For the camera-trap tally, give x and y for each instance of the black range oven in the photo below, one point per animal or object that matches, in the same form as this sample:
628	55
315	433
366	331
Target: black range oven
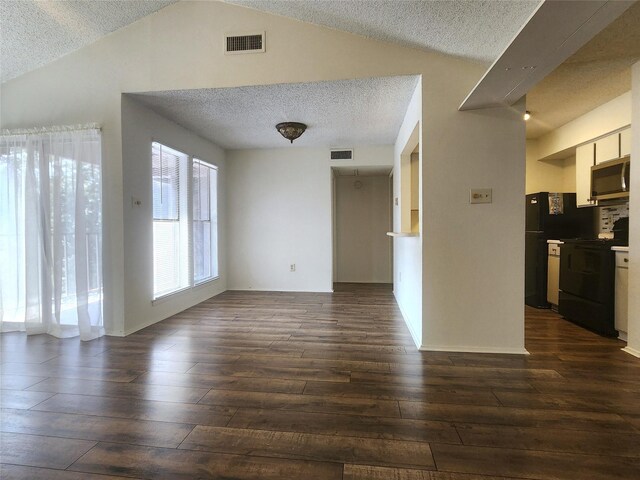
587	284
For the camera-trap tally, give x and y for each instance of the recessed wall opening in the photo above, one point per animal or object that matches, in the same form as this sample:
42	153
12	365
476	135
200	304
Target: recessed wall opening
362	216
409	200
415	190
276	197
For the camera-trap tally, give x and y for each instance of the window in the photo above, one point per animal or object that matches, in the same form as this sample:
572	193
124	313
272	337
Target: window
185	221
170	220
205	221
51	232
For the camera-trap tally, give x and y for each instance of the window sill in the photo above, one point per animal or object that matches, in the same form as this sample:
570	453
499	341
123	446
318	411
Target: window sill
206	281
168	296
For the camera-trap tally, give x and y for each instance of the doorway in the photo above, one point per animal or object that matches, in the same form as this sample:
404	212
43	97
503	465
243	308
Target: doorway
362	249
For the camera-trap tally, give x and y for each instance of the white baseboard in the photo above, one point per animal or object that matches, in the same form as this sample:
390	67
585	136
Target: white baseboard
466	349
405	317
632	351
234	289
114	333
148	323
144	325
440	348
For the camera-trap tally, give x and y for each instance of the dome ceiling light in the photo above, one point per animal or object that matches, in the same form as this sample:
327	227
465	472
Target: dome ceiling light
291	130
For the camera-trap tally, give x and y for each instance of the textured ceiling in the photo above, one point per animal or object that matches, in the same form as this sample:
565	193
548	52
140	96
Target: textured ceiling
472	29
33	34
595	74
338	114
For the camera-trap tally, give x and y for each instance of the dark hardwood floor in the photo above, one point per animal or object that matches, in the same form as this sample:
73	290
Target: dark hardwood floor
253	385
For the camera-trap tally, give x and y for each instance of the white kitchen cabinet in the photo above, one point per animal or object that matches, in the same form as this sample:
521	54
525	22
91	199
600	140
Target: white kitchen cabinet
553	275
625	142
584	161
622	296
608	148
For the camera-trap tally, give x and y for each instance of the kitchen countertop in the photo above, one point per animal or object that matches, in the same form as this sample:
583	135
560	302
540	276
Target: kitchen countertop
556	242
620	249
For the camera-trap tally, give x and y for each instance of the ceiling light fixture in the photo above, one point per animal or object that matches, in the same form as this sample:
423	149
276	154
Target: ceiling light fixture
291	130
527	115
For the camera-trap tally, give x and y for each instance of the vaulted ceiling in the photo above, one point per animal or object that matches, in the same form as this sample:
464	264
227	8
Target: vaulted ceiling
36	33
472	29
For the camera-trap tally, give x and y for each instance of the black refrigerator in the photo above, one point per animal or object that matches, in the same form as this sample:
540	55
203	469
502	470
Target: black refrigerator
549	216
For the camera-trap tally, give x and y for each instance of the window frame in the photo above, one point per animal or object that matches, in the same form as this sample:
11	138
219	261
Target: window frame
211	216
186	215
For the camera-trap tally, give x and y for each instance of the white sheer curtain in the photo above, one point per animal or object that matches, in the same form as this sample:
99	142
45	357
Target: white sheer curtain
51	232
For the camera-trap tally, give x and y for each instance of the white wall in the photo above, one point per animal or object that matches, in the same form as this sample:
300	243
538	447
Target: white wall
362	223
543	175
473	255
633	337
141	126
407	251
459	149
569	174
280	214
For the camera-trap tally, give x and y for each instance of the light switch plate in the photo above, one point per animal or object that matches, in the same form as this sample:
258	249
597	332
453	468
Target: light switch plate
480	195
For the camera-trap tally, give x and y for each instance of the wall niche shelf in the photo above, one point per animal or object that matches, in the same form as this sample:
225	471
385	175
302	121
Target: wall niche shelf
403	234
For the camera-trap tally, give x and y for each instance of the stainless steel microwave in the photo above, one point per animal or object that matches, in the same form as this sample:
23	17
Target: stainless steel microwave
610	179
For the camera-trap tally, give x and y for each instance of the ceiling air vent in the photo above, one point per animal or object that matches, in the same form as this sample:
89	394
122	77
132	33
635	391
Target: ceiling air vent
342	154
244	43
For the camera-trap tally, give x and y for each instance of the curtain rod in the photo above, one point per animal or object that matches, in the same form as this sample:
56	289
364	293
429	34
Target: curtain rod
51	129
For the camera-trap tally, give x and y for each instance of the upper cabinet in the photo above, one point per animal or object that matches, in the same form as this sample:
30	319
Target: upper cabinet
585	159
608	148
625	142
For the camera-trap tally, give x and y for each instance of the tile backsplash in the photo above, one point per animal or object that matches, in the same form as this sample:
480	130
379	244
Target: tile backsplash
608	215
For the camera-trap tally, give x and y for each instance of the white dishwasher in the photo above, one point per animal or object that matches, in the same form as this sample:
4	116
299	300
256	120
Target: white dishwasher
553	275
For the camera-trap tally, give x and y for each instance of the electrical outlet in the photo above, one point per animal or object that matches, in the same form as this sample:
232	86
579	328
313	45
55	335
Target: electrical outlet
293	267
480	195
